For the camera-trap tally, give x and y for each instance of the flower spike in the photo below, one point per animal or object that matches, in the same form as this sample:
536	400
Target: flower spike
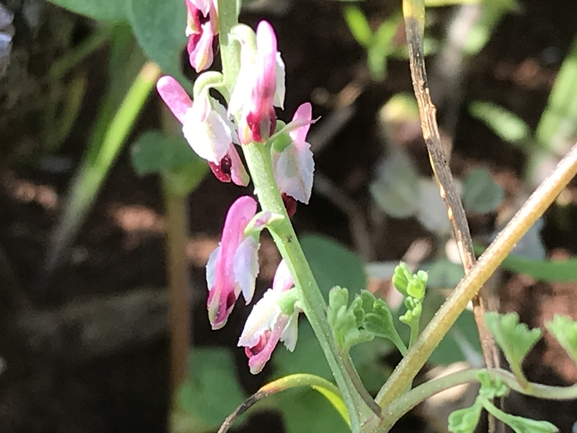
233	265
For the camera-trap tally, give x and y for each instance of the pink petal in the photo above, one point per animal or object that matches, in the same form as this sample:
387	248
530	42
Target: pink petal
224	290
246	266
283	279
303	115
200	54
174	96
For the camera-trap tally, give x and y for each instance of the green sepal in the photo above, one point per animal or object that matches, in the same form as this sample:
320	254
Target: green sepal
288	301
401	278
515	339
409	284
281	141
564	329
414	310
344	321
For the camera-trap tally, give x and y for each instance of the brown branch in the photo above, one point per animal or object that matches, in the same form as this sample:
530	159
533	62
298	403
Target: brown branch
439	163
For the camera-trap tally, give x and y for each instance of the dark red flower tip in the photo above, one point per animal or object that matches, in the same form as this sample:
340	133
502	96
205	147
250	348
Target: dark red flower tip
290	204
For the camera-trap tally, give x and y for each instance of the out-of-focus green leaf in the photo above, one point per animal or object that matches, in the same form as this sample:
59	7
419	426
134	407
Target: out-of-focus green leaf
461	343
102	10
515	339
396	188
154	151
333	265
542	270
558	123
441	3
480	193
305	410
181	169
159	28
381	46
432	210
506	124
564	329
299	361
212	390
443	274
358	25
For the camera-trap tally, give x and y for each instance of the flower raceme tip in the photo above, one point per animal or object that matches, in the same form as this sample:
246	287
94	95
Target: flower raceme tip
259	87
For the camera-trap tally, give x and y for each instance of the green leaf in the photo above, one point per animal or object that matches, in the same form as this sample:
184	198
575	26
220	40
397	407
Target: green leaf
154	152
480	193
102	10
305	410
564	329
212	390
443	274
380	46
181	169
396	188
159	28
515	339
333	265
491	387
299	361
526	425
465	420
519	424
358	25
507	125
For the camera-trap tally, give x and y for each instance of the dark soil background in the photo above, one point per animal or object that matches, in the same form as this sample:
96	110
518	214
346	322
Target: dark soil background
60	378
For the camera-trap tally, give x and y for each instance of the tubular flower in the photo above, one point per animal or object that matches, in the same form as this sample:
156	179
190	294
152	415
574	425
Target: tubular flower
267	324
207	129
294	166
201	28
233	265
259	87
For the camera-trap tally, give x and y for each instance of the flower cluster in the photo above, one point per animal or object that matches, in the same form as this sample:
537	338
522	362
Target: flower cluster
216	132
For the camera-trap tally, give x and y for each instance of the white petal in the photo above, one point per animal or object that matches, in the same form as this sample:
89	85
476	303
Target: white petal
263	316
211	266
280	82
245	266
294	171
290	332
208	134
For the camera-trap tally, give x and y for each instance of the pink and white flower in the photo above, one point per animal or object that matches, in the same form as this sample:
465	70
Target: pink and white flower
233	266
294	166
207	129
201	29
259	87
267	324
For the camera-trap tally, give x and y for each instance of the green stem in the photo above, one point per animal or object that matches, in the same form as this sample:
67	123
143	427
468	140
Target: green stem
533	208
312	301
422	392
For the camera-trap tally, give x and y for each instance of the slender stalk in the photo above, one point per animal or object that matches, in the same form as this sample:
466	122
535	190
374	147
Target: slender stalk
533	208
178	285
422	392
414	13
